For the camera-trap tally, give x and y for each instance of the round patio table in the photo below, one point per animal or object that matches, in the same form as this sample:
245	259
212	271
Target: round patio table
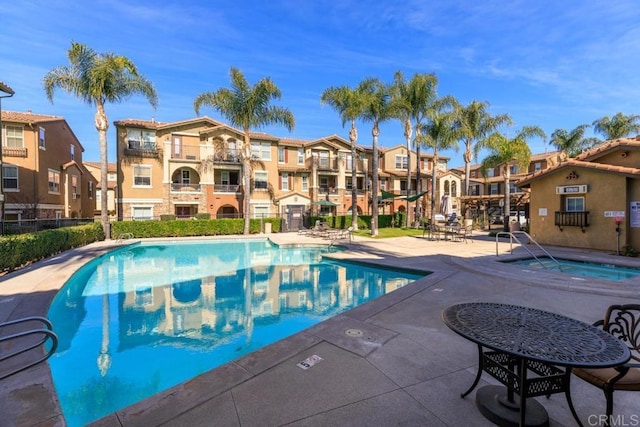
531	352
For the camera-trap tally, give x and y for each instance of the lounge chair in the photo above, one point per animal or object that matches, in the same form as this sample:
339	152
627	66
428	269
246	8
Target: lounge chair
622	321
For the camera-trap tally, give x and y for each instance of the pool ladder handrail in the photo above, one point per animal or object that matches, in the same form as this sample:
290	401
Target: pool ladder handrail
513	236
47	334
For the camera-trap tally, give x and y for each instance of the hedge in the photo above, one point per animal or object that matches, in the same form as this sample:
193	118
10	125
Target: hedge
19	250
185	228
364	221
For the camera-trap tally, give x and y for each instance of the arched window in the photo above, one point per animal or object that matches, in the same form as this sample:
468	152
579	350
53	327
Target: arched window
446	187
454	189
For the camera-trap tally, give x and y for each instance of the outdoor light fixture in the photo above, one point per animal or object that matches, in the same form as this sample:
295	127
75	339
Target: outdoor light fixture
7	92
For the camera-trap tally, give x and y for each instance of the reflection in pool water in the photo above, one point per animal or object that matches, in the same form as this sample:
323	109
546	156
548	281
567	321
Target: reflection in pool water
144	318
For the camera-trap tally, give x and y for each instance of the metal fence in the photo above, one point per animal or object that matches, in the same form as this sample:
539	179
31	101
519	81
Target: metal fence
34	225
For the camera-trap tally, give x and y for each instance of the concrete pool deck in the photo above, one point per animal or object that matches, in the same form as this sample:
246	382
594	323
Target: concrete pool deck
406	368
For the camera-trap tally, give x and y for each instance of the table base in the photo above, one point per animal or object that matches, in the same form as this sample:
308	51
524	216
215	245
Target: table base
492	402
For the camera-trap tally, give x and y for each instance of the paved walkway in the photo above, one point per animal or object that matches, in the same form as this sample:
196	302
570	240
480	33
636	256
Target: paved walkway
407	368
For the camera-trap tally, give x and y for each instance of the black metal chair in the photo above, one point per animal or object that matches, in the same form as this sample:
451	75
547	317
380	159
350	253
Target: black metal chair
622	321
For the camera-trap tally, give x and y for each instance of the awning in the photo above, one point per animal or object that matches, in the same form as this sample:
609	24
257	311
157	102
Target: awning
415	197
387	195
324	203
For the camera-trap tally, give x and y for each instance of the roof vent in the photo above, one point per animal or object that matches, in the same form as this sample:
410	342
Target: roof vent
624	154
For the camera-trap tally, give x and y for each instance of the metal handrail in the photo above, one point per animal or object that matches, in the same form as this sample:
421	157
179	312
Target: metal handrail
46	332
512	236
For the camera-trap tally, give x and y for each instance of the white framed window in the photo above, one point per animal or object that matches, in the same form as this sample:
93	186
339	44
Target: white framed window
54	181
41	138
14	137
300	156
142	175
383	184
284	181
98	198
454	188
323	159
141	213
305	182
111	176
401	161
140	139
537	166
260	211
349	162
494	188
281	155
224	177
348	183
10	178
490	173
260	180
442	165
90	189
574	204
513	169
74	186
513	188
261	150
73	152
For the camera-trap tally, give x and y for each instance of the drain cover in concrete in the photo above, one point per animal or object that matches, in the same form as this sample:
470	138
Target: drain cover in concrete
354	333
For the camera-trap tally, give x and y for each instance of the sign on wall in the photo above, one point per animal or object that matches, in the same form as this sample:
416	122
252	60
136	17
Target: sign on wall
634	217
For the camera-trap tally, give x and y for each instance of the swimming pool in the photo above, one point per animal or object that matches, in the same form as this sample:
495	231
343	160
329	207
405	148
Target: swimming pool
580	268
144	318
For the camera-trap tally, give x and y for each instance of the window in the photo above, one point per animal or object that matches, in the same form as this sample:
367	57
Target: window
383	184
9	177
574	204
139	139
141	213
513	169
186	176
494	188
41	133
14	137
513	188
281	155
447	188
349	183
74	186
261	150
73	152
260	180
260	211
142	176
90	190
454	189
489	173
349	162
323	161
305	182
537	166
401	161
224	178
54	181
284	181
111	176
300	156
442	165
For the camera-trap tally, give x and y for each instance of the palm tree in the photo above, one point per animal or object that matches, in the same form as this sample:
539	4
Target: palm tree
572	143
502	152
98	79
618	126
349	104
476	123
440	133
377	109
402	111
247	107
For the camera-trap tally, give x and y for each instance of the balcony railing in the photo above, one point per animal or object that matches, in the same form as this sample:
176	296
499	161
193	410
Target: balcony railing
327	190
14	151
185	188
572	219
226	188
231	156
141	149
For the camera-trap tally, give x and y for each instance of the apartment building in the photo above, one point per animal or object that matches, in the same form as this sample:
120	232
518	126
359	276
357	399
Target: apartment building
94	169
486	194
192	166
42	171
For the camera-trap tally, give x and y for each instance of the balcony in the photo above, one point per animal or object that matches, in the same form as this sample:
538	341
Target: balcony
572	219
323	189
226	188
231	156
186	152
141	149
14	152
185	188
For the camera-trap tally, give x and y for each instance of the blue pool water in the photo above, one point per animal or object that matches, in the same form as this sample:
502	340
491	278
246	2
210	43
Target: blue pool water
144	318
578	268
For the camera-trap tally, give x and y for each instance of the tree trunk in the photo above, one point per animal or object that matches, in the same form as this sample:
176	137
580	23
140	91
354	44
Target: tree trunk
467	167
407	135
434	178
507	198
101	123
353	137
246	177
374	184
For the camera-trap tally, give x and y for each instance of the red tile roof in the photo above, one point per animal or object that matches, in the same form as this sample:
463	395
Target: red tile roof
28	117
573	163
609	146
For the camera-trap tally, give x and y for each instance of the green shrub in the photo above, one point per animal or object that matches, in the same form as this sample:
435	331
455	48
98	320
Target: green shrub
167	217
19	250
203	215
629	250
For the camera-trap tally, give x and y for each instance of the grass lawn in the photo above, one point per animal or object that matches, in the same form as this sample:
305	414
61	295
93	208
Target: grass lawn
384	233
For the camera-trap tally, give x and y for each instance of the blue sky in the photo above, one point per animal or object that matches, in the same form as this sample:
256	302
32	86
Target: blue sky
555	64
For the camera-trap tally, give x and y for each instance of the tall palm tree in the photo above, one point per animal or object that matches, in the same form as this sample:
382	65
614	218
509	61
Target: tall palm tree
503	152
618	126
572	143
247	107
401	109
349	104
476	123
98	79
440	133
377	109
